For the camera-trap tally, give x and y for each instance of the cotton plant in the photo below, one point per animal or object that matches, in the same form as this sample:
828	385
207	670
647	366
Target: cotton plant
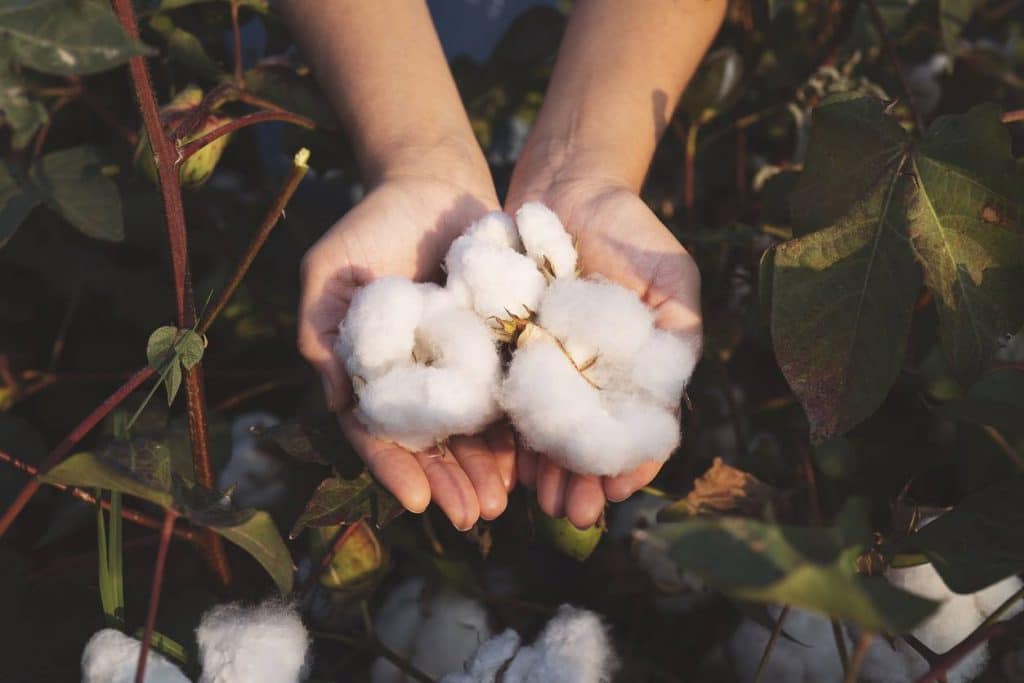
266	643
436	633
591	381
254	474
574	647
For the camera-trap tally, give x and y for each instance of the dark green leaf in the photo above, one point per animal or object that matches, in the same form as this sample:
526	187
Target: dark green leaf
260	538
190	348
315	438
996	399
185	48
71	183
803	567
90	471
146	460
978	542
21	111
168	349
65	37
340	501
967	226
16	202
207	507
953	16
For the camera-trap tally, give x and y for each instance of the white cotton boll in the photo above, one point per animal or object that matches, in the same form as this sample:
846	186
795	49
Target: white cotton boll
262	644
488	660
990	599
379	329
496	227
814	659
456	339
395	624
545	239
599	318
663	365
112	657
573	648
957	615
493	280
452	632
255	474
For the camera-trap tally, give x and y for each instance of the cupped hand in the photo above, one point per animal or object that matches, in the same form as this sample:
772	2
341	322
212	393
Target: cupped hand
402	227
619	238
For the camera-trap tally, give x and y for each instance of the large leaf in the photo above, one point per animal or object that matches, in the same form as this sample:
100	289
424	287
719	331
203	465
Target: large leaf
341	501
16	202
186	48
996	399
967	225
314	438
798	566
21	111
872	211
65	37
72	183
953	16
979	541
88	470
259	537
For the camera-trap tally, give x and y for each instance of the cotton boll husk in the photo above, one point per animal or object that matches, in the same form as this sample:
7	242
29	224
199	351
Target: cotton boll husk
574	647
814	661
663	365
545	239
379	329
253	471
493	280
112	657
262	644
596	319
452	632
498	228
488	660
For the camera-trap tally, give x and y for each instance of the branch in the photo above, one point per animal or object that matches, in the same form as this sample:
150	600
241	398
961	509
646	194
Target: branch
770	645
154	592
894	61
128	513
194	146
270	220
945	662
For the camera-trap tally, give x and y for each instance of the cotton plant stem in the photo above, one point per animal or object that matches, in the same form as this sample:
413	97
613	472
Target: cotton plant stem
840	638
945	662
770	645
154	592
194	146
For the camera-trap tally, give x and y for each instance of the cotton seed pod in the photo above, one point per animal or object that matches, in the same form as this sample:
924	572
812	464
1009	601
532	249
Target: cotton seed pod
197	169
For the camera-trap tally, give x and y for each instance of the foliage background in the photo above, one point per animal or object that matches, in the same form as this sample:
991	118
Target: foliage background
900	399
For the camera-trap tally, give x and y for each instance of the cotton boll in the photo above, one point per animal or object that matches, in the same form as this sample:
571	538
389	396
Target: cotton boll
447	639
489	659
814	659
498	228
990	599
456	339
112	657
545	239
663	365
957	615
395	625
597	318
379	329
573	648
262	644
493	280
255	474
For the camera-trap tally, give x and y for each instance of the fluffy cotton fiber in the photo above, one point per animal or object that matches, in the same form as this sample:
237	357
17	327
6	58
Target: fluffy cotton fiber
545	239
112	657
574	647
437	634
255	474
492	279
262	644
423	367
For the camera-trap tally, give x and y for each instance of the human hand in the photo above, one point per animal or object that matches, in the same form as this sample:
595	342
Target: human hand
404	227
619	238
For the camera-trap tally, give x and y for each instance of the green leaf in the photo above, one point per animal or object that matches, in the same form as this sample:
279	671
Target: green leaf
16	202
88	470
168	349
359	557
314	438
65	37
259	537
997	399
261	6
145	459
799	566
185	48
207	507
22	112
341	501
190	348
953	16
579	544
967	227
978	542
71	183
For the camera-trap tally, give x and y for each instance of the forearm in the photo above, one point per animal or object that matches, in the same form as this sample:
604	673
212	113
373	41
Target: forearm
619	75
382	67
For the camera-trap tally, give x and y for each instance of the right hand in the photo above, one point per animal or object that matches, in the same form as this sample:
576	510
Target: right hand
403	227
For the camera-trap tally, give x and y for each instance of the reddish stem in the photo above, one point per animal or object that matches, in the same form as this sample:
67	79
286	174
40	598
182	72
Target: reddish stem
69	441
894	60
325	560
947	661
194	146
154	592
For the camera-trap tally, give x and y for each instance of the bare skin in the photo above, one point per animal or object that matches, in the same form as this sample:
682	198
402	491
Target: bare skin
619	75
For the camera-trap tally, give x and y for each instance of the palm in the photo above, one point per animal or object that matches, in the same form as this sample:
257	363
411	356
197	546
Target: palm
619	238
401	228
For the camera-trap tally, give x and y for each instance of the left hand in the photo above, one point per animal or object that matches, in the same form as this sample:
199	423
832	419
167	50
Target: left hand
620	238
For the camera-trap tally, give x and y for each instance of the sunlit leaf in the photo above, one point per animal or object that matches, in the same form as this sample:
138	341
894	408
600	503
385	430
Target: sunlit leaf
260	538
359	556
88	470
341	501
23	112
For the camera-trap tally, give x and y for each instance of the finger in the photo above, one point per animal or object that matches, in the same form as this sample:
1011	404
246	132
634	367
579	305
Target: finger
478	462
623	486
394	467
450	488
322	305
526	466
502	442
551	483
674	294
584	500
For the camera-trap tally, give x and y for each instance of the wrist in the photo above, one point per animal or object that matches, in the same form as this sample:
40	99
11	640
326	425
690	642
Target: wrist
444	157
